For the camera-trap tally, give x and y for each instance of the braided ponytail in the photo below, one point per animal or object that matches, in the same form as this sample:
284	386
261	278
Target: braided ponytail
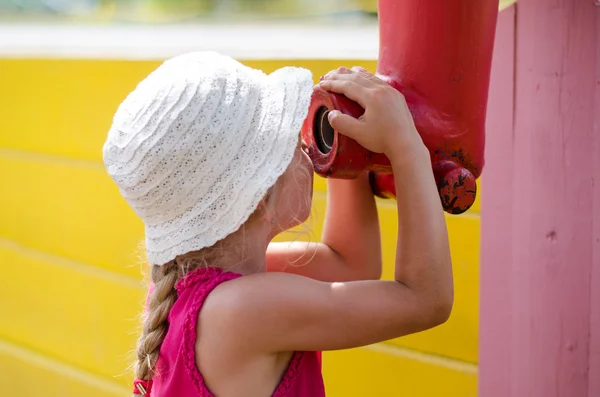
162	299
155	323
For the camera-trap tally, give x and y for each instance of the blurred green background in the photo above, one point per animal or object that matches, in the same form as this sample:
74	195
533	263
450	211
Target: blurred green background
151	11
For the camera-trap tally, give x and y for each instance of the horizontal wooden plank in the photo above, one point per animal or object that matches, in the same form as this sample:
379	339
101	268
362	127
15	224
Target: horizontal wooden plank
28	373
80	315
90	322
84	97
374	371
81	217
46	111
457	338
70	210
76	220
71	127
370	371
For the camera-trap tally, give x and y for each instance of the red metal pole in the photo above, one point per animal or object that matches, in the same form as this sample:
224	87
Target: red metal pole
439	55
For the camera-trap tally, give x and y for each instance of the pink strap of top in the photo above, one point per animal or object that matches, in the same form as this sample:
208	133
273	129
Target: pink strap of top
176	373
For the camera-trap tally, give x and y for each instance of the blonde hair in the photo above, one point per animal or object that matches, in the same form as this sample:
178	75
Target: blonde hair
155	325
165	278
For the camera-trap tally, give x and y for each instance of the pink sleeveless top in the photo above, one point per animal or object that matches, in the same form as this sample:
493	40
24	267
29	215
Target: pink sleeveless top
176	371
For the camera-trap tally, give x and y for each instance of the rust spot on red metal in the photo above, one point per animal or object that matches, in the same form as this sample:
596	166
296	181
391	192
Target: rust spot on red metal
457	189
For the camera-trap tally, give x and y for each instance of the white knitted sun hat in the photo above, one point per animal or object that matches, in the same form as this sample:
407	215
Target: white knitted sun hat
198	143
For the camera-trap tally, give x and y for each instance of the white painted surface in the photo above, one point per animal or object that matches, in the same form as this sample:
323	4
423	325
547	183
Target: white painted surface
156	42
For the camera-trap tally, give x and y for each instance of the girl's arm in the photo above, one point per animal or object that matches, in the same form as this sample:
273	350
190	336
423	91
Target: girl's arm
350	248
285	312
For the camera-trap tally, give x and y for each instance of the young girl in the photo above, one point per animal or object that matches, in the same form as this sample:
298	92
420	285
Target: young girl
208	153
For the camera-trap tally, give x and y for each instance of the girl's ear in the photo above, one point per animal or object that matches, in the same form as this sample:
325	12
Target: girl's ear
262	209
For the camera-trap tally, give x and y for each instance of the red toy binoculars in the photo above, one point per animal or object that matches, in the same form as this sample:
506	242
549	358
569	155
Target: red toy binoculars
438	54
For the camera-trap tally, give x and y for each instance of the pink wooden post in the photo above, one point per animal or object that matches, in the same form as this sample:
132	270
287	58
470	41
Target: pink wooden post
540	267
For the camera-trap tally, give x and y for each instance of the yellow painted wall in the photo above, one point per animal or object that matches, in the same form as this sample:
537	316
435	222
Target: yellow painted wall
70	289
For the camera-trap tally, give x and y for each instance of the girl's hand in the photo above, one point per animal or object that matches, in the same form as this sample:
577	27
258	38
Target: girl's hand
386	126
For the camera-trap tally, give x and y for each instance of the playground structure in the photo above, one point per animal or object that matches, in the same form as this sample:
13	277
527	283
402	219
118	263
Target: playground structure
444	76
72	295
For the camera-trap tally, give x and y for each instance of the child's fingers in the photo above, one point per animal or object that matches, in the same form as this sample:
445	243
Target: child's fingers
351	89
359	69
340	70
359	78
363	78
343	70
344	124
369	76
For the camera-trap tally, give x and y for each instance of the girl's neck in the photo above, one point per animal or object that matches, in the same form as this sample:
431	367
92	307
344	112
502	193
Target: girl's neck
245	251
